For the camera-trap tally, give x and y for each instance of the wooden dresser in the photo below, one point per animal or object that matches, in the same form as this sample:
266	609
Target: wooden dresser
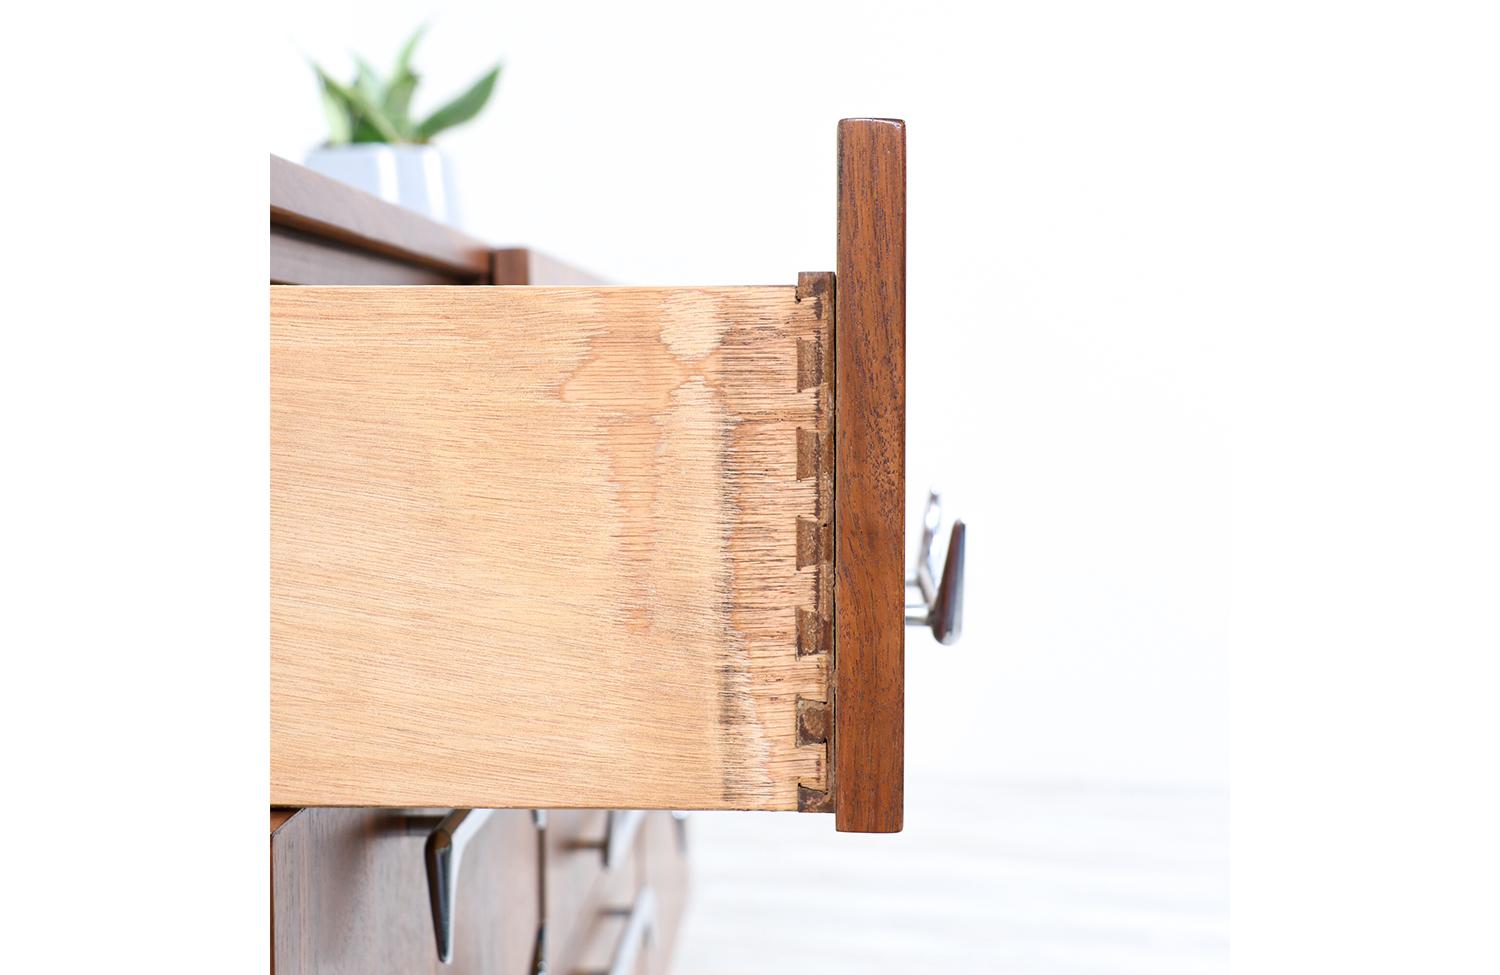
555	562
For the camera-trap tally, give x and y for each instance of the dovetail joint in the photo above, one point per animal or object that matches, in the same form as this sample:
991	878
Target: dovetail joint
814	800
814	632
814	542
814	624
814	725
809	453
814	285
809	364
812	722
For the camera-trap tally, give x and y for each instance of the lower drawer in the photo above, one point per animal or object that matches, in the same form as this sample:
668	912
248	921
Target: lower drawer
593	891
349	894
628	913
592	860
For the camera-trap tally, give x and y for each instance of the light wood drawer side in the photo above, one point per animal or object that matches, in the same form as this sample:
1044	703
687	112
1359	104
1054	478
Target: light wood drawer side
549	547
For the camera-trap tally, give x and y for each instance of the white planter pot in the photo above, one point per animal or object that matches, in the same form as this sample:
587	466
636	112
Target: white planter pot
416	177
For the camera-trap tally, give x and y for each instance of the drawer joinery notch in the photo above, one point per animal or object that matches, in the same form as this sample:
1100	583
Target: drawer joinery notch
814	624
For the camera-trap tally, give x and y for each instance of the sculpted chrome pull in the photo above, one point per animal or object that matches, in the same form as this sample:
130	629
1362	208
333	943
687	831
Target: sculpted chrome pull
640	929
941	605
444	853
619	835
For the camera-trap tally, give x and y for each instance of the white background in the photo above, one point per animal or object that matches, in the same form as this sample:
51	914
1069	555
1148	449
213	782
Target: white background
1202	306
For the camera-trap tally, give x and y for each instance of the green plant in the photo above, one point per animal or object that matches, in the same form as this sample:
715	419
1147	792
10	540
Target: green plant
376	109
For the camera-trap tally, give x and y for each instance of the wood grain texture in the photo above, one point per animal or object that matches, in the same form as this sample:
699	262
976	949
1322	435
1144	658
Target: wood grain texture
537	547
349	896
317	205
870	475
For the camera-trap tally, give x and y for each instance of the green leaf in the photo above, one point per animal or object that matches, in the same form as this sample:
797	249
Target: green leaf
461	109
397	104
376	119
336	108
403	60
365	132
370	124
397	101
367	81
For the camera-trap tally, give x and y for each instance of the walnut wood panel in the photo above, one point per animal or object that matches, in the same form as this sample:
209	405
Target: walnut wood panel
870	474
322	207
349	896
538	547
298	258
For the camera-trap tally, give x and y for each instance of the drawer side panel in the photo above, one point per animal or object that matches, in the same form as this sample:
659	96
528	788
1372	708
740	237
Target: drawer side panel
538	547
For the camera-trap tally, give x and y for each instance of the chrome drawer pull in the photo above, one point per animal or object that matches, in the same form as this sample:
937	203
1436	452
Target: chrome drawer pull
942	602
539	953
639	931
619	834
445	850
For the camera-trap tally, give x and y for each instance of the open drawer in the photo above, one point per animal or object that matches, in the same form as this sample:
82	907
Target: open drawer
598	547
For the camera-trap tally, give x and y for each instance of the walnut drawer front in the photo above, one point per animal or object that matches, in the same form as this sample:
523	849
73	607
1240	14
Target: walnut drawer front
573	884
349	895
622	915
593	863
